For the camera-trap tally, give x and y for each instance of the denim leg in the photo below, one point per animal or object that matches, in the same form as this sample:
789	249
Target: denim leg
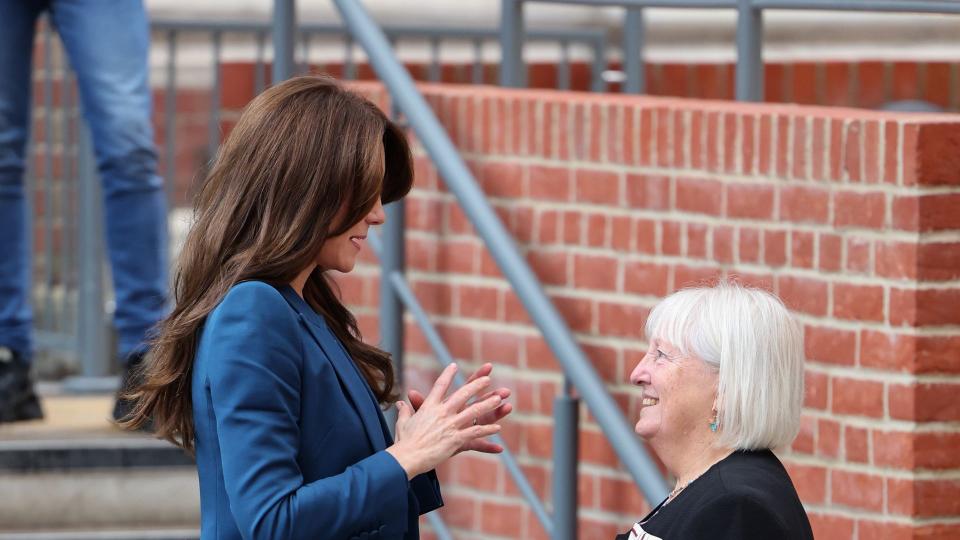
17	25
108	45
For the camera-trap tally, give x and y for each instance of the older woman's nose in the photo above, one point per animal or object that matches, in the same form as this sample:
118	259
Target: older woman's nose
640	373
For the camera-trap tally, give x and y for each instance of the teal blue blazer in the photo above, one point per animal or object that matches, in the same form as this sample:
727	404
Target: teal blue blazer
290	440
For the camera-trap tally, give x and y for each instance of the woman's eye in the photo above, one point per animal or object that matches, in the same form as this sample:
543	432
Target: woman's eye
661	354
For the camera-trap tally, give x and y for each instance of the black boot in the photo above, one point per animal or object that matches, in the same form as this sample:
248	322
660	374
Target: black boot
130	379
18	400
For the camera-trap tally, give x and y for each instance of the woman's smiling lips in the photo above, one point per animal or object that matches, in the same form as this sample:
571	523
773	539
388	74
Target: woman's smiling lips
356	240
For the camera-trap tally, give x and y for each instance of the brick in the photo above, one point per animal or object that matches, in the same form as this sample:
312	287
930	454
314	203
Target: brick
937	154
928	212
458	257
858	255
748	241
937	354
830	345
478	302
499	518
460	511
699	196
831	526
801	141
600	187
937	306
893	449
547	227
804	442
857	397
891	162
572	227
856	446
802	249
804	294
775	248
937	498
815	390
549	183
502	179
549	266
852	162
765	136
645	231
500	348
831	252
937	261
883	530
749	201
783	145
696	240
596	230
898	260
646	278
672	238
828	438
435	298
924	402
856	209
423	214
621	319
871	152
648	191
810	482
723	244
595	272
856	490
858	302
686	276
804	204
578	312
884	350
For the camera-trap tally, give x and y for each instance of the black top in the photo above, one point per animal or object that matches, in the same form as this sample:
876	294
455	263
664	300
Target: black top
746	495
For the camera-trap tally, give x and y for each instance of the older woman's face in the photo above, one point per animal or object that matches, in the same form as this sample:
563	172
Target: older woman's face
678	393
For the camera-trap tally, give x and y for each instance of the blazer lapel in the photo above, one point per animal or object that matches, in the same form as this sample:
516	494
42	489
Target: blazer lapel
358	391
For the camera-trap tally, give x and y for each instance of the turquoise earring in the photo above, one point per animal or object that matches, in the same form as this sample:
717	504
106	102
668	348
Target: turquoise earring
714	423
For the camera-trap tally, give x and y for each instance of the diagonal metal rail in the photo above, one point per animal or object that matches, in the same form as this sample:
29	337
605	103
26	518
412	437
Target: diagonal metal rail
462	184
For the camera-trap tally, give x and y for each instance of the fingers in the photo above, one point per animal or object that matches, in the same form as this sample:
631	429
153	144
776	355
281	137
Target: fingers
460	398
485	447
482	371
478	409
441	385
403	411
416	399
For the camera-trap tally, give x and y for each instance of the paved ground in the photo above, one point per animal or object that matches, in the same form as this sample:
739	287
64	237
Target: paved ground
69	417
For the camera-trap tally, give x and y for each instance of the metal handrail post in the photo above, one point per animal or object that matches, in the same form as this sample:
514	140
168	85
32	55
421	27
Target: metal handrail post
566	430
462	184
512	72
91	325
284	26
749	75
392	259
634	31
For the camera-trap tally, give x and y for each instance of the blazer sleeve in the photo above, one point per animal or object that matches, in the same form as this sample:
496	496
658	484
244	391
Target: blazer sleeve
426	487
733	517
254	382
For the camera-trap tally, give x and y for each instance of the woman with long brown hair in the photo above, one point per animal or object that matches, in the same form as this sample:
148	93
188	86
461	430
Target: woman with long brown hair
260	370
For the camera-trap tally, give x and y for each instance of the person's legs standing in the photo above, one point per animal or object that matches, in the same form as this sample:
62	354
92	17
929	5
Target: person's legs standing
17	27
108	46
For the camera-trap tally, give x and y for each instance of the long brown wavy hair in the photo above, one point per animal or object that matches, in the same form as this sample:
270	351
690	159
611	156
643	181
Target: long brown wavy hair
300	152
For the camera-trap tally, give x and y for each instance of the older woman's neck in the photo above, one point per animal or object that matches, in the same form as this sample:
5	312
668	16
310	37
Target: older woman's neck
690	458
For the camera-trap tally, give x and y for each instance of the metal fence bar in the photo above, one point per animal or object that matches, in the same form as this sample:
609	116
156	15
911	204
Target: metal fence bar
405	294
47	316
284	25
91	327
566	421
477	70
634	29
392	260
439	527
598	65
170	122
749	74
511	44
902	6
305	52
563	67
433	74
474	203
213	129
349	65
260	66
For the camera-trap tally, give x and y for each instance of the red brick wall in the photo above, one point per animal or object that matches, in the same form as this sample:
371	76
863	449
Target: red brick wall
853	217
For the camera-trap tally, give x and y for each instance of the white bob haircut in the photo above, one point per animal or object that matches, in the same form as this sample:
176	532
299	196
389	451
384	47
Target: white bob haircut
750	337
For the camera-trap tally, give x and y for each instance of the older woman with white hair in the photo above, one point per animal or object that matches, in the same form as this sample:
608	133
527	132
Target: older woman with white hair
722	386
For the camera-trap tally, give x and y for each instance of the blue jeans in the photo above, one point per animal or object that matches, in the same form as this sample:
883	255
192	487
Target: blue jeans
107	44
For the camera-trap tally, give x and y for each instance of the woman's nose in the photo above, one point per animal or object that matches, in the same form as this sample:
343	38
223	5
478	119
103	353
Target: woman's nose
377	216
640	373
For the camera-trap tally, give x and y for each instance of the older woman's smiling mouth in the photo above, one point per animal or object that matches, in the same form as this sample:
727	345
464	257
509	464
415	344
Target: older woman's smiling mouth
648	401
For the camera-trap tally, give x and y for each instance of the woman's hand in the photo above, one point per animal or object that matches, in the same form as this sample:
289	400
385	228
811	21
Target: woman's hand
441	427
478	445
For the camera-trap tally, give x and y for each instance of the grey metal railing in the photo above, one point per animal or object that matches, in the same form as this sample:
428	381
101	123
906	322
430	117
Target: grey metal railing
579	372
749	35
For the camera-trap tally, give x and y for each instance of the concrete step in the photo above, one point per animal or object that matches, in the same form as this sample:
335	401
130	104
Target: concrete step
121	534
75	473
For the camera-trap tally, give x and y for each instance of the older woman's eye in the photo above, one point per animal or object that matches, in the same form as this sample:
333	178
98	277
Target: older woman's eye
661	354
